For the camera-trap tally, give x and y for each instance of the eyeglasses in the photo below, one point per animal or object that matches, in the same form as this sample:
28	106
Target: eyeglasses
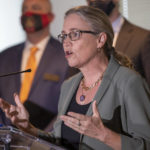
73	35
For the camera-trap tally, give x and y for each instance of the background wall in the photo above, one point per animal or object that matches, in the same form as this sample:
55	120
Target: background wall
137	11
59	8
10	30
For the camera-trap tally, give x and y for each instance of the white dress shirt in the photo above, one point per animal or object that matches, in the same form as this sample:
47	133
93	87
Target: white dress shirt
26	52
116	25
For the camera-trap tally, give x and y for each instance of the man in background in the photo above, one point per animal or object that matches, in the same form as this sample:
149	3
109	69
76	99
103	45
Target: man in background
128	38
40	89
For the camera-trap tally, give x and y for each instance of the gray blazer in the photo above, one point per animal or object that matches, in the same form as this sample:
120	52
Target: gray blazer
123	103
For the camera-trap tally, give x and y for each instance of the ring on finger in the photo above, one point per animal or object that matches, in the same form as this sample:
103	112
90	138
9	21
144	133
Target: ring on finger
79	124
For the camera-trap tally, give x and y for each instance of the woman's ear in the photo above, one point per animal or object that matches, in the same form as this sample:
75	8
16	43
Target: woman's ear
102	37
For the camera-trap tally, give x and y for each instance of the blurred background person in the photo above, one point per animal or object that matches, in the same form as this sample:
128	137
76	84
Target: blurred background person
129	39
38	90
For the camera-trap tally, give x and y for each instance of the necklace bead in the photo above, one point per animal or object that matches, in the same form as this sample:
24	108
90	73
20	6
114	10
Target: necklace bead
84	87
82	98
92	86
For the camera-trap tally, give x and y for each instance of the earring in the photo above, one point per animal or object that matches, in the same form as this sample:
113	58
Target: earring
98	50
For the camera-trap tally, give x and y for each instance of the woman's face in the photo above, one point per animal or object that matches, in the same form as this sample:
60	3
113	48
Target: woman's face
82	51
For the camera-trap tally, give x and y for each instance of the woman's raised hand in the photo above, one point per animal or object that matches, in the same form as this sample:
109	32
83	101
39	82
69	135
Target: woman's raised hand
92	126
89	125
17	114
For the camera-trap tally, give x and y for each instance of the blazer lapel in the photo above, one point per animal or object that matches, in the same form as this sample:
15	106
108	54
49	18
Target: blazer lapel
67	101
124	37
71	92
106	81
18	65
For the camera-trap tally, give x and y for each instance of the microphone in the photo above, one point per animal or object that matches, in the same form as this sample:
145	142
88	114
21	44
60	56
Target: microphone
14	73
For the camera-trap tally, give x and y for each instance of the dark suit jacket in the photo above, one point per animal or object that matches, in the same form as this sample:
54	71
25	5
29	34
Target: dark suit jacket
135	43
123	103
44	94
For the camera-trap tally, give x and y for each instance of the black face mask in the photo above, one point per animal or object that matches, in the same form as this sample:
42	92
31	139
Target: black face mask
106	7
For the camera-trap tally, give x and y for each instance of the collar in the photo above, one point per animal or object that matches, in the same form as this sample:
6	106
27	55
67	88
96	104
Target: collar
40	45
117	24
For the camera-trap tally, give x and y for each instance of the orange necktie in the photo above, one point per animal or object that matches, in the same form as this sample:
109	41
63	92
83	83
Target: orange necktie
28	77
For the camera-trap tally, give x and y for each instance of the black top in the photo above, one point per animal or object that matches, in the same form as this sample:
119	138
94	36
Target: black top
71	138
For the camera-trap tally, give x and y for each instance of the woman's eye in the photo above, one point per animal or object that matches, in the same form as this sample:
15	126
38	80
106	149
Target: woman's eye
74	34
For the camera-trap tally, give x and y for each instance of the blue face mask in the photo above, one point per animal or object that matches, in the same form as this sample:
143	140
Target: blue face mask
107	7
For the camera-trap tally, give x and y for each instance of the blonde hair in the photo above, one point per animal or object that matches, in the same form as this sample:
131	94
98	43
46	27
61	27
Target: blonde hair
99	22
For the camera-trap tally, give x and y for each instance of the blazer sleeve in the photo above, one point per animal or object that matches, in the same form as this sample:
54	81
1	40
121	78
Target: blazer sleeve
136	99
